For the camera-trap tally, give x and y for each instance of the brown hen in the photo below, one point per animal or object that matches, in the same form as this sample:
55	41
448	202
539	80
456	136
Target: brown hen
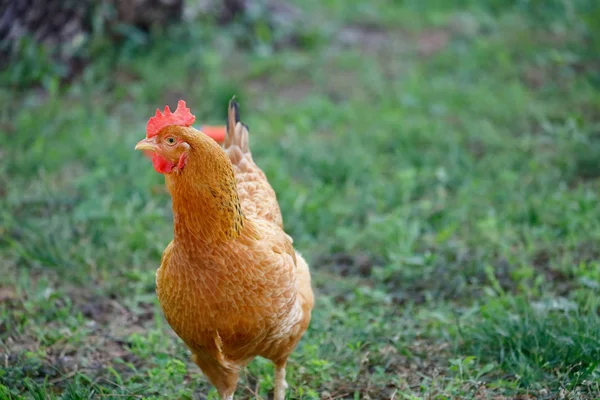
230	283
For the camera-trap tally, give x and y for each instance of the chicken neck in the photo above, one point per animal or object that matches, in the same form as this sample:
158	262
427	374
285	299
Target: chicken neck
206	206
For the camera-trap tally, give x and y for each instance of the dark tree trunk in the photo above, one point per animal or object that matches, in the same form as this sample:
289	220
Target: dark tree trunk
60	23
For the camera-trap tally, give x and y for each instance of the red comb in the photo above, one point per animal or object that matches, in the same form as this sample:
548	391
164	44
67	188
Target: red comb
181	117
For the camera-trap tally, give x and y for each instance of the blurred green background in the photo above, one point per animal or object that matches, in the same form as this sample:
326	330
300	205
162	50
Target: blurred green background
437	162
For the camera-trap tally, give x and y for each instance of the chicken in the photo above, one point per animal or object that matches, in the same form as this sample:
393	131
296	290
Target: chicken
230	283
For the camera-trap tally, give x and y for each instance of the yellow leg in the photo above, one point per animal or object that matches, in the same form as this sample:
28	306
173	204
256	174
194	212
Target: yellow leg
280	383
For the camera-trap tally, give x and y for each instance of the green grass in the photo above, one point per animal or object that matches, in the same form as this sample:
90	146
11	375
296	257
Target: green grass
438	165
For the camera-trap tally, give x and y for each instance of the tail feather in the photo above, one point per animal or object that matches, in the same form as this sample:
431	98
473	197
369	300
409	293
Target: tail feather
257	197
236	140
233	115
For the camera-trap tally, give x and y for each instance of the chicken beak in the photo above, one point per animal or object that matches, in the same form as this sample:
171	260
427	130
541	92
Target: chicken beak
146	145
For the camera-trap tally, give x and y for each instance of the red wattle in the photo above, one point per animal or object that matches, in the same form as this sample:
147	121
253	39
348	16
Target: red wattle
161	164
182	161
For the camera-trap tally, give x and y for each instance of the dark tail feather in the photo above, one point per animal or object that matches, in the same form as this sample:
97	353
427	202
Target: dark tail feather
237	132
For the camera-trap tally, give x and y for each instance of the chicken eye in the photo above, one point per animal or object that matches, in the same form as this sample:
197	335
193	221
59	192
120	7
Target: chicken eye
171	140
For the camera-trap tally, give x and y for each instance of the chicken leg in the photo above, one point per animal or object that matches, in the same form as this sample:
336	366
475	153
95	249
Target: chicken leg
223	379
280	382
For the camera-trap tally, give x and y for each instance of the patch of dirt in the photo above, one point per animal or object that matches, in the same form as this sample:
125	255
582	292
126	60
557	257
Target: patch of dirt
502	273
7	294
293	91
103	350
587	167
563	282
429	359
433	41
477	148
341	271
419	365
98	309
346	264
542	262
61	361
108	326
537	77
8	301
369	38
108	314
441	281
384	44
587	252
458	276
374	39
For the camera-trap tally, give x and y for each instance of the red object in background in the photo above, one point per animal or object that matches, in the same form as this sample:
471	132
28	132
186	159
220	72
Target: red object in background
217	132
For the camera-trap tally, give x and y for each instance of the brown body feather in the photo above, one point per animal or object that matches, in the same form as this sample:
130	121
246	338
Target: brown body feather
230	283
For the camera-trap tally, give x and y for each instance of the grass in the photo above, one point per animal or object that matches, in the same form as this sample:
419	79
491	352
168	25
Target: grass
437	164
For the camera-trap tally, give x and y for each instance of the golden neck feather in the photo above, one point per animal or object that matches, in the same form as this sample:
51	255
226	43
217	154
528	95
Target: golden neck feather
206	206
